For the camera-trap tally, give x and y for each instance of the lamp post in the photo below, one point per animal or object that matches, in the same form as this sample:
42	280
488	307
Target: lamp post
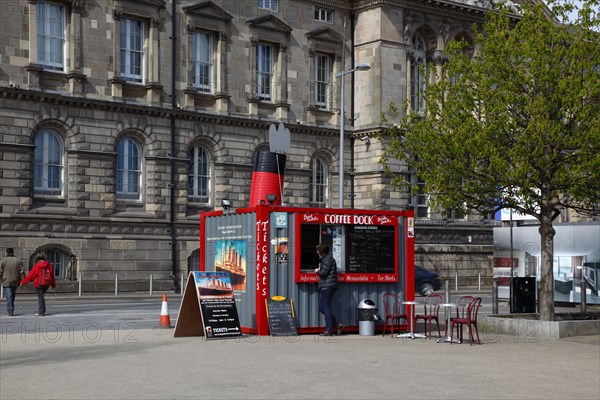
359	67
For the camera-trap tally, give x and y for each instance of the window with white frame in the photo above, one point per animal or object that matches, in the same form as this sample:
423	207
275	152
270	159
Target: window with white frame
132	49
202	61
51	35
322	80
419	199
320	180
418	74
129	169
264	71
323	14
57	259
48	160
268	4
199	173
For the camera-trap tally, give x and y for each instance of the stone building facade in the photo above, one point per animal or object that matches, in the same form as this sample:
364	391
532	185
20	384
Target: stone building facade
122	120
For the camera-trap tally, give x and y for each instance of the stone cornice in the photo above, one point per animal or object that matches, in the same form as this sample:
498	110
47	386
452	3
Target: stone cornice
269	22
208	9
156	3
444	8
91	153
334	4
16	147
325	34
156	111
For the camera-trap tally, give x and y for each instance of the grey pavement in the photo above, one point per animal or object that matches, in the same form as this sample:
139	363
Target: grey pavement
152	364
53	361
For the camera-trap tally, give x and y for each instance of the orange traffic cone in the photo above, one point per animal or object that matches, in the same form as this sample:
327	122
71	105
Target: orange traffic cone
165	319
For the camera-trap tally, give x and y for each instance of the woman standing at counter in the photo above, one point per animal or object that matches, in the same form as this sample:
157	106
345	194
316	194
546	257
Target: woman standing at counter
328	285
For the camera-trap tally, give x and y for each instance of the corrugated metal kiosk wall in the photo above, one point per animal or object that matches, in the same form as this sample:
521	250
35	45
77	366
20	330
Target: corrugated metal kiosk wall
242	227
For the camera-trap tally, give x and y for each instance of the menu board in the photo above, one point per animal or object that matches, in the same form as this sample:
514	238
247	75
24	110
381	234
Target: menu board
370	249
281	317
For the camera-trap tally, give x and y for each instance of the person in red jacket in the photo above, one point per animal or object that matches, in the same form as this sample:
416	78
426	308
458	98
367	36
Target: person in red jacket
43	277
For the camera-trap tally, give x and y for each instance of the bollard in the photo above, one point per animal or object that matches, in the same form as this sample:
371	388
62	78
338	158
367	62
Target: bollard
150	284
1	291
583	296
479	281
116	284
80	284
181	286
456	281
494	296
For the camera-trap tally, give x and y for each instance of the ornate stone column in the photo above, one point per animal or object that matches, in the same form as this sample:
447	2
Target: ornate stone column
75	76
281	104
152	86
221	96
251	91
117	82
33	69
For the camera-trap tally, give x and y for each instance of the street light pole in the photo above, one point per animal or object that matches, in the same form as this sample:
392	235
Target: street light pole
359	67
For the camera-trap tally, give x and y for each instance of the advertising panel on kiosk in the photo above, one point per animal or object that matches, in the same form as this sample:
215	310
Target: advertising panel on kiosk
363	246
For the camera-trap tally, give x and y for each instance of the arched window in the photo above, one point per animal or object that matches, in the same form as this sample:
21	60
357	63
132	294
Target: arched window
319	182
62	262
48	160
418	74
193	261
129	169
199	172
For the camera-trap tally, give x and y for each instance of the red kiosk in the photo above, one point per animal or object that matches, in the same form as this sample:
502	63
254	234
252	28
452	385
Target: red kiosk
269	250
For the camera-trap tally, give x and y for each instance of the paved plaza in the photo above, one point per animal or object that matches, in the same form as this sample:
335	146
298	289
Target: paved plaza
56	363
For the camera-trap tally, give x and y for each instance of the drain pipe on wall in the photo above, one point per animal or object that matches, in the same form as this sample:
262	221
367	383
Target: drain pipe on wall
352	25
172	231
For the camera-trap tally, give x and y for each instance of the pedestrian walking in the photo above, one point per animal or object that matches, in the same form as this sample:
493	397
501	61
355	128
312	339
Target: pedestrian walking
42	275
11	274
328	285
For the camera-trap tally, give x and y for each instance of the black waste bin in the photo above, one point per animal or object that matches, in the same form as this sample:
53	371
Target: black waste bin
523	295
367	315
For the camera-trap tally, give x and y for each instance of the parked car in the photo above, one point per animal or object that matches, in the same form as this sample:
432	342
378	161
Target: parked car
426	282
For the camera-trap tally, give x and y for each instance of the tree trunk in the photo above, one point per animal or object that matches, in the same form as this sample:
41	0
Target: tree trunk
546	295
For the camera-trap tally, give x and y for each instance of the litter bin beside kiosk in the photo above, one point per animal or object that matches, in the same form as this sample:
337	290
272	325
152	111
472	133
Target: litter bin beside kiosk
367	315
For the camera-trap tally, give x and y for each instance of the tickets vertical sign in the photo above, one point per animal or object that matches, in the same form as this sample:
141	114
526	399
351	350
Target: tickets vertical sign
262	268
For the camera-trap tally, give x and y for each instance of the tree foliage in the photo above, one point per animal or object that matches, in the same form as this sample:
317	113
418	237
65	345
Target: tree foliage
516	125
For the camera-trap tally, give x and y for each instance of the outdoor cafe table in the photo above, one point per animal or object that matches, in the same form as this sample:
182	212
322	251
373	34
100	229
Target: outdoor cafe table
448	339
412	333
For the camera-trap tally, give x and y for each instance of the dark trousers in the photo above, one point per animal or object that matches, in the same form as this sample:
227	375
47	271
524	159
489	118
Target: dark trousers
325	296
41	290
9	293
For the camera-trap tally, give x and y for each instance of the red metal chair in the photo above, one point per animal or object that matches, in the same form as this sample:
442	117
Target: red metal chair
393	308
470	319
431	306
461	312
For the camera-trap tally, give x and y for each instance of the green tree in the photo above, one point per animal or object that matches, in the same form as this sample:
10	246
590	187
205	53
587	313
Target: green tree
516	125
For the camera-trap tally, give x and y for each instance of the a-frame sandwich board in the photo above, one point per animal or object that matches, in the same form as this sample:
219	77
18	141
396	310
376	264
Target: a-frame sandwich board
189	322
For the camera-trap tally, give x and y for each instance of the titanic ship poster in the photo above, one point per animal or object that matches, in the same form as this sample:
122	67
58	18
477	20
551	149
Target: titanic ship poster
230	256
